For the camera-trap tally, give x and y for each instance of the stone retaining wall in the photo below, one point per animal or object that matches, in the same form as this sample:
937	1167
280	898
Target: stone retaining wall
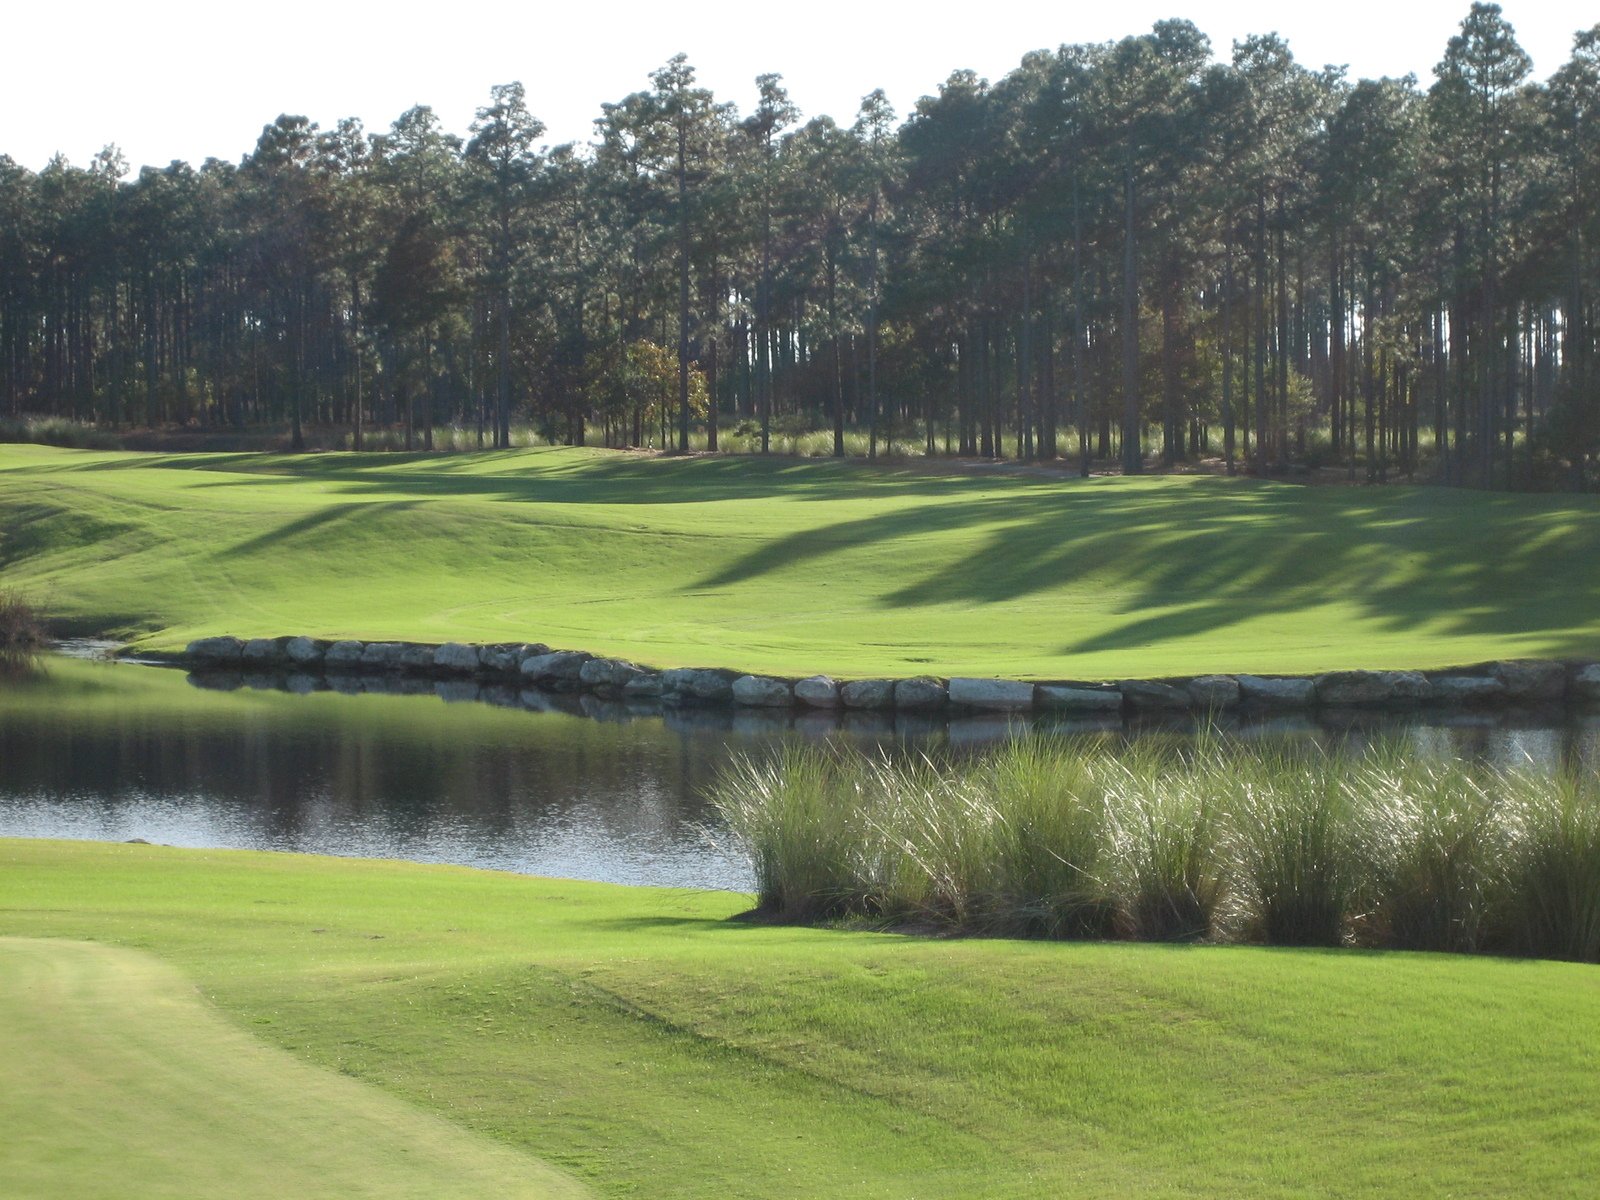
1508	683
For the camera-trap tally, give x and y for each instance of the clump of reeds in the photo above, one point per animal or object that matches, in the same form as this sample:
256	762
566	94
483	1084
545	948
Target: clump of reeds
1283	844
1297	853
1438	848
20	629
805	819
1552	896
1168	842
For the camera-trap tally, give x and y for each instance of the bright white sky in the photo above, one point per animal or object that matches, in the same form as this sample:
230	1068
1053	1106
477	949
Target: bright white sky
168	79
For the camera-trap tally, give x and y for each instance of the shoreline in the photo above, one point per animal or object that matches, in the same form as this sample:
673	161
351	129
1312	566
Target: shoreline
305	662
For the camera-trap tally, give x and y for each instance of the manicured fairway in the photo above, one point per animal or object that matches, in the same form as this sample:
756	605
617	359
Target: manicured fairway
796	567
639	1040
117	1080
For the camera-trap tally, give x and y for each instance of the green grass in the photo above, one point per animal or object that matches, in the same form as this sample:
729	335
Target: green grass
642	1042
799	566
118	1080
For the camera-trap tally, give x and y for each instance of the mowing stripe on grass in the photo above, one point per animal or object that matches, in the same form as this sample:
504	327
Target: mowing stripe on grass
118	1080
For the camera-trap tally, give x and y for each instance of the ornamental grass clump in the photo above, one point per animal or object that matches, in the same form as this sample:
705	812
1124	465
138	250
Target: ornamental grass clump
1440	847
1166	835
937	834
1284	844
1298	856
1051	869
806	819
21	632
1552	893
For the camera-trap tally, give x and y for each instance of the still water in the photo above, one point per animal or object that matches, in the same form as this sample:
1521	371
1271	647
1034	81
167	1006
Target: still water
112	752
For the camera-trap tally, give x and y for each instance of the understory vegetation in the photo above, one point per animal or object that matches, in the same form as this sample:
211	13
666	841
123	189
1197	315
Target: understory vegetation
1285	844
20	629
57	431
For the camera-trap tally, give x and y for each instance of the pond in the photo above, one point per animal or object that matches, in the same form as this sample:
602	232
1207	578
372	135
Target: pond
115	751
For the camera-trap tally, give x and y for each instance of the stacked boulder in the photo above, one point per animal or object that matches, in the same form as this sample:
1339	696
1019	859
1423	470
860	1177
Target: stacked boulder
536	665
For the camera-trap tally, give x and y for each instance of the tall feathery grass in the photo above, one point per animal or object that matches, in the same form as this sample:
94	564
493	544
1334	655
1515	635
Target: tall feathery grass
21	632
1213	841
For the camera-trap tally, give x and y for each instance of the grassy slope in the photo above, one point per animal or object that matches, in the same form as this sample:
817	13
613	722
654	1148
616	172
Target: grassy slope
117	1080
638	1039
801	566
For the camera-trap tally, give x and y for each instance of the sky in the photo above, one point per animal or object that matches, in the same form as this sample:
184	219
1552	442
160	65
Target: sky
171	80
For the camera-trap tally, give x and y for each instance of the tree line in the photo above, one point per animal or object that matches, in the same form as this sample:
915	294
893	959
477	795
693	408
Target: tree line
1118	252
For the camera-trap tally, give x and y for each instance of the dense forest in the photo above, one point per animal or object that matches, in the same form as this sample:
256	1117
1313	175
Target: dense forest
1124	252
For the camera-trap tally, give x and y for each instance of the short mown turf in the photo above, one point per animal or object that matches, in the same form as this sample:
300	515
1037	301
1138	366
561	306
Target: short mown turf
118	1081
798	566
643	1042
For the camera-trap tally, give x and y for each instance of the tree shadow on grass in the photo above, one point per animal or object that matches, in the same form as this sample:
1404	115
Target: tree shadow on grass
314	522
1186	563
580	480
1177	558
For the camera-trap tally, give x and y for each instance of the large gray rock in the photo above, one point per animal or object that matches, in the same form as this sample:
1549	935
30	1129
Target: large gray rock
558	666
215	650
1410	687
1365	689
644	686
507	658
414	656
344	656
1531	679
263	651
1148	694
702	685
458	658
1459	691
997	695
609	675
818	691
1068	698
1213	692
867	693
762	691
922	694
1586	682
1292	691
381	656
304	651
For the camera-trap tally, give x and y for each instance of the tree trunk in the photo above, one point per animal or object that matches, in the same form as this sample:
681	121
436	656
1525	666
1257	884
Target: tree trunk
1132	452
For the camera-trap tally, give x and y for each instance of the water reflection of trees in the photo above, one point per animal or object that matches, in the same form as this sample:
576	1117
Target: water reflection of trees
539	790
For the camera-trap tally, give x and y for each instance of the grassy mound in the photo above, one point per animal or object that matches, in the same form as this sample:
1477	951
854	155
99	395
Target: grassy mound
795	567
117	1080
640	1040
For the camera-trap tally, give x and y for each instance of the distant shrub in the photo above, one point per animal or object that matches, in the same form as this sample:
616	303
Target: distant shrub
20	629
57	431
